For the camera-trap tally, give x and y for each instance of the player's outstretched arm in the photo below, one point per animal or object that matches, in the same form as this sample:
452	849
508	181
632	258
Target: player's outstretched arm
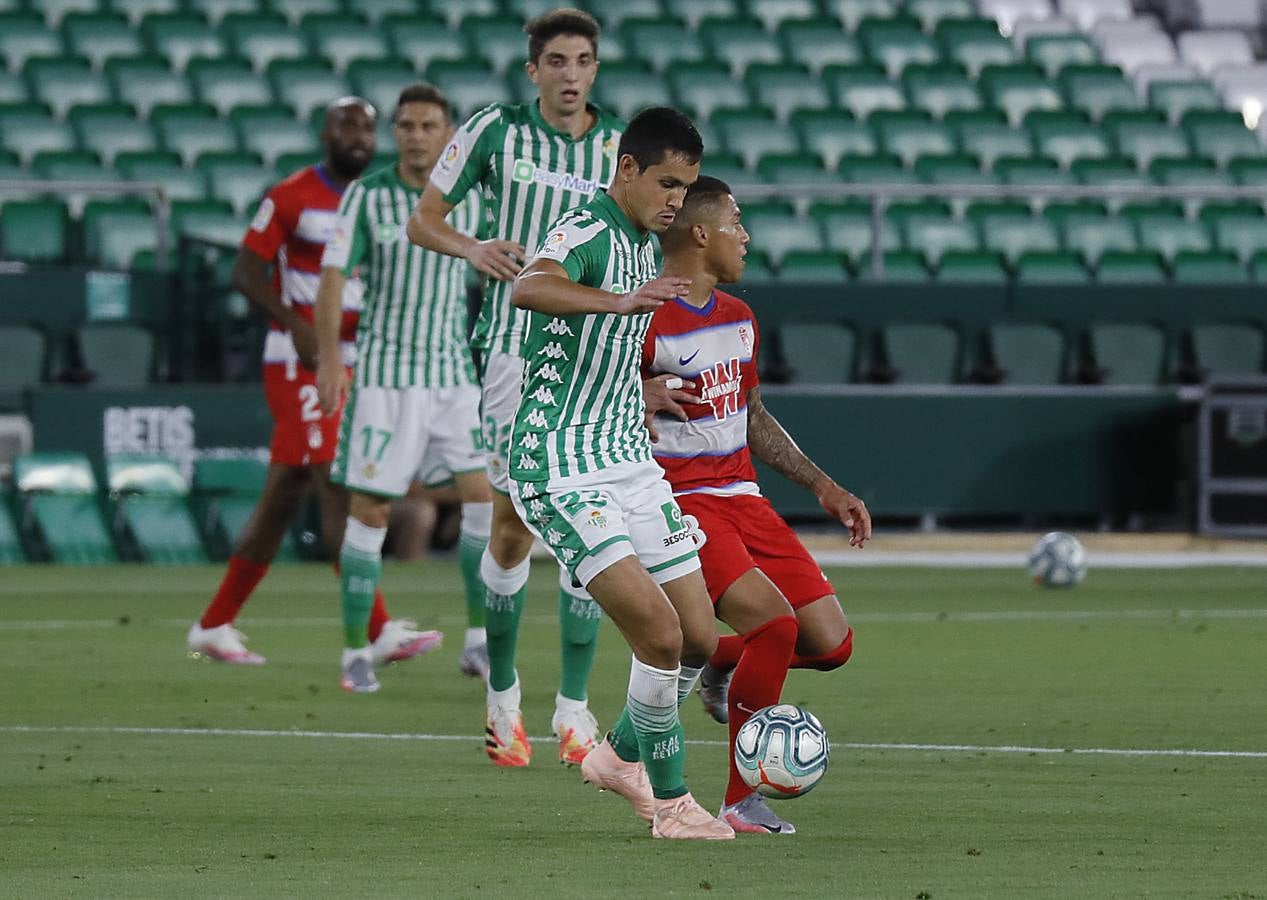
331	373
428	228
775	447
251	278
544	287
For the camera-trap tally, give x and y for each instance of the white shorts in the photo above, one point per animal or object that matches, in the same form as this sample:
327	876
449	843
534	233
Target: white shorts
591	521
390	436
502	386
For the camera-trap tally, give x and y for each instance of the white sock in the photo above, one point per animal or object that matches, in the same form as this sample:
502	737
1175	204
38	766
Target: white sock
474	637
686	679
366	541
503	582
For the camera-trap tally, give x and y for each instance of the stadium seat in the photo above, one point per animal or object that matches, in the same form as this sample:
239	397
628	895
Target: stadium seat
227	83
306	86
215	11
1013	235
773	13
776	235
971	267
22	360
1192	172
785	89
952	168
56	10
934	235
153	520
794	168
119	355
1175	99
1098	90
940	89
262	39
988	142
739	43
1209	267
611	13
1168	236
147	82
627	87
1067	140
863	90
880	169
272	133
705	87
831	135
893	44
59	496
13	89
1037	170
900	267
62	82
813	266
1128	353
1092	236
1109	172
468	86
1222	141
1028	353
909	135
1050	267
109	134
241	184
23	36
423	40
818	352
498	41
930	12
296	11
1019	90
340	39
847	229
753	135
34	230
100	36
1210	49
1144	142
1244	236
663	43
819	43
380	81
1118	267
1228	348
922	353
1131	50
137	10
974	44
1052	52
193	130
852	12
180	38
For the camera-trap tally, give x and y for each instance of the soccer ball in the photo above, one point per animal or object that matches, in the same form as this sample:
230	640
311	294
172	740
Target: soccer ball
1057	560
782	751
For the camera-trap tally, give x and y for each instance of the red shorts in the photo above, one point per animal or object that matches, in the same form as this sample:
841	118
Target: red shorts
744	532
302	436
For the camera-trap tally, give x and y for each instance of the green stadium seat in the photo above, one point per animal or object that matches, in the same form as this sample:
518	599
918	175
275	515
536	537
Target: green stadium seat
180	38
48	161
813	265
663	43
757	268
693	12
952	168
194	130
1243	235
778	235
773	13
340	40
181	184
902	211
1052	52
119	354
22	358
27	134
852	12
1062	211
910	135
627	87
101	36
1111	171
831	135
1188	172
1208	267
1251	171
979	210
137	10
64	81
228	83
880	169
1228	348
1128	353
863	90
424	40
307	86
109	134
498	41
215	11
59	496
1118	267
819	43
728	167
1168	235
974	44
13	89
1224	142
1050	267
893	44
739	43
1013	235
271	134
753	135
939	89
1098	90
11	553
380	81
242	185
1067	140
147	82
1018	90
611	13
785	89
935	235
117	237
296	11
1175	99
468	86
971	267
988	142
705	87
818	352
54	11
1028	353
1145	142
922	353
34	230
794	168
374	11
931	12
263	39
23	36
1091	236
900	267
846	229
153	520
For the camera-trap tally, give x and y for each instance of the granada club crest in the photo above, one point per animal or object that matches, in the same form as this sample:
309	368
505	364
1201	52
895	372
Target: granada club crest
745	338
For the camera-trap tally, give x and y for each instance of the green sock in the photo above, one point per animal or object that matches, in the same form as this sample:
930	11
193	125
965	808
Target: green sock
662	745
501	622
470	549
624	739
358	578
579	618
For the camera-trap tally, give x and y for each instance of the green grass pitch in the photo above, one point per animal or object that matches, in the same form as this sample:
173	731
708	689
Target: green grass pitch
1131	660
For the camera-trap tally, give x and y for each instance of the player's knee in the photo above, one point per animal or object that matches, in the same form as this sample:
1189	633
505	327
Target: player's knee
835	658
660	645
698	644
781	630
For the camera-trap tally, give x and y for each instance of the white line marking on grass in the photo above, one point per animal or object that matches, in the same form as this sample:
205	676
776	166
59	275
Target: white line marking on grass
404	736
918	617
961	559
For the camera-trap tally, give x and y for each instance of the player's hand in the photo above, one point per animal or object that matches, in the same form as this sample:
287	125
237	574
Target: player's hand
498	259
660	397
651	296
332	385
305	339
849	510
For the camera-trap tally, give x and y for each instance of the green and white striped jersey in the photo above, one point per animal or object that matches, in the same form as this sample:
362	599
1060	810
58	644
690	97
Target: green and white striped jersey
530	174
413	330
582	406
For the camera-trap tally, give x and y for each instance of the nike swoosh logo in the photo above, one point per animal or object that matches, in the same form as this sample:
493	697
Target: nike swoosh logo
742	708
686	360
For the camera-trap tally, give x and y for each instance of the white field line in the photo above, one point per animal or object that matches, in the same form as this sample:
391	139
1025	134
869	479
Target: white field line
921	617
852	745
953	559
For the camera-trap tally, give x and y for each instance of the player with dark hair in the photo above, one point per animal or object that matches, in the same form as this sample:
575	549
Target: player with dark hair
584	477
763	581
533	161
288	233
413	405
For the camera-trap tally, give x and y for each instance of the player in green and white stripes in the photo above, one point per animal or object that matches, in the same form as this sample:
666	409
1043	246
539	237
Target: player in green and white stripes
581	460
413	405
534	161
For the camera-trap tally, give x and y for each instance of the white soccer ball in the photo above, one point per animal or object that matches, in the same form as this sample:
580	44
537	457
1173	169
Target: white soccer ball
782	751
1057	560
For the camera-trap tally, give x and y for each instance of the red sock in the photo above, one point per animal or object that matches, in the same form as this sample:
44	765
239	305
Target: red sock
378	614
757	683
235	588
828	661
729	649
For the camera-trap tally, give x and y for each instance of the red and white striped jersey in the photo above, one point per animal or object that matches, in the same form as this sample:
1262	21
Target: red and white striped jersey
290	229
716	347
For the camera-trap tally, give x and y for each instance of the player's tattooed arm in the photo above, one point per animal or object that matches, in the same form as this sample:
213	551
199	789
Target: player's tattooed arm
427	228
771	444
251	277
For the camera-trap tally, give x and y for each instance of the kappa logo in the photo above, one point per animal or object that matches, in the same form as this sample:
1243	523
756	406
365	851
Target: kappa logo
537	507
568	554
554	537
549	373
543	395
526	461
537	419
557	326
720	388
530	442
553	350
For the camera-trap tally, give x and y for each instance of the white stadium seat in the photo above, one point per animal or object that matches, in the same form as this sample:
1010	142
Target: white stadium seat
1207	50
1132	50
1087	12
1007	12
1147	74
1228	13
1025	28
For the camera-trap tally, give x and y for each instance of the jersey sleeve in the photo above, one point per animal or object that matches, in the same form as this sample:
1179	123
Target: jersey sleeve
465	161
346	248
273	222
572	244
